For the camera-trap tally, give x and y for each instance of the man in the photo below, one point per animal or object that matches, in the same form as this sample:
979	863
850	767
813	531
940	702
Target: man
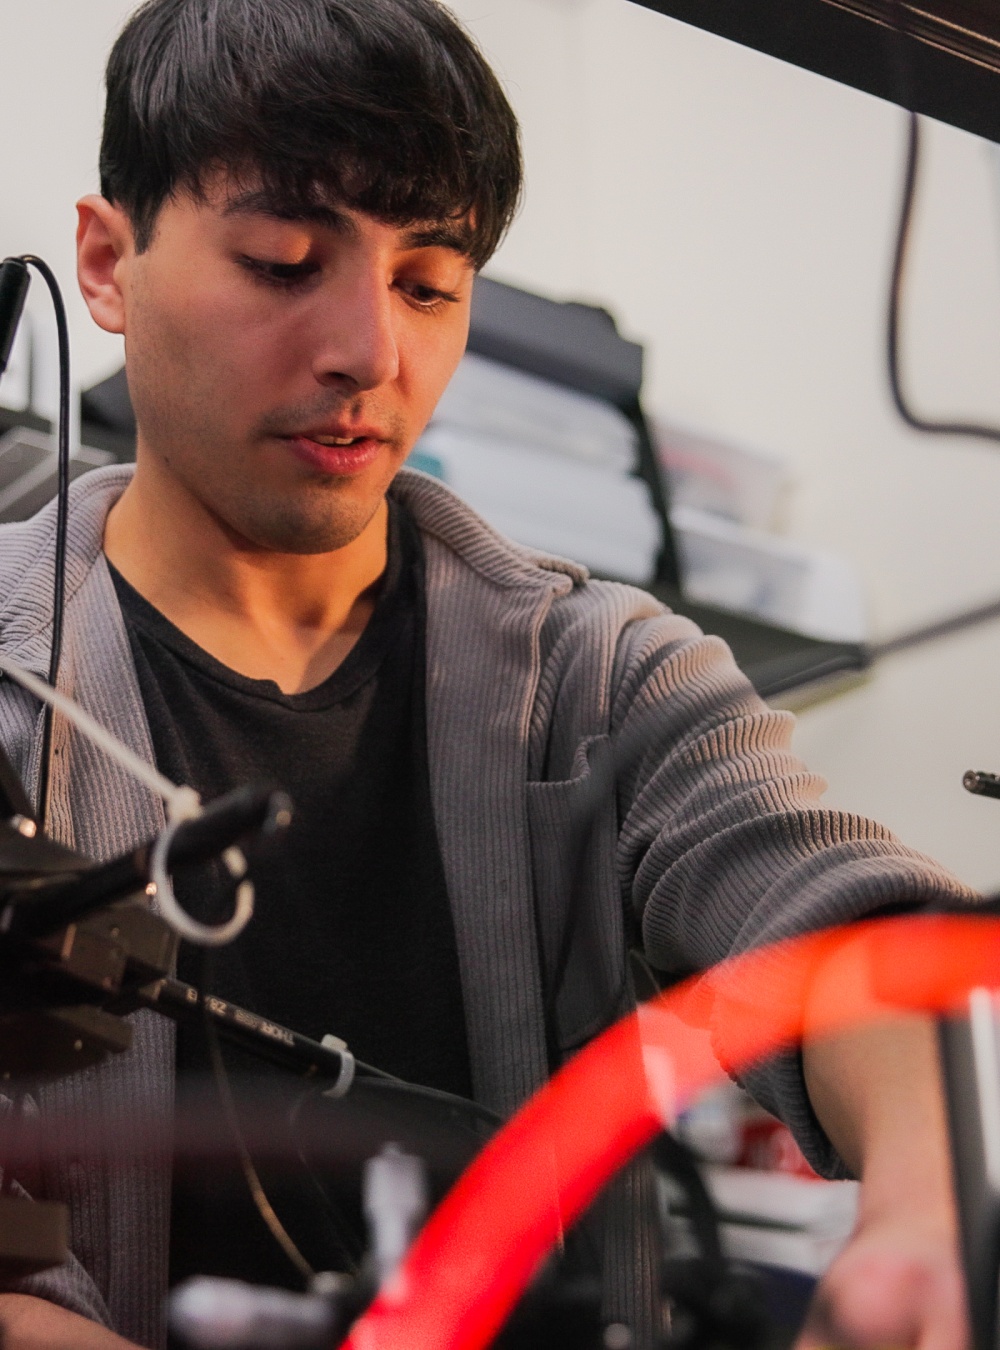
296	195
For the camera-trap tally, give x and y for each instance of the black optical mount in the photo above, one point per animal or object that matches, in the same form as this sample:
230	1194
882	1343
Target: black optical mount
80	948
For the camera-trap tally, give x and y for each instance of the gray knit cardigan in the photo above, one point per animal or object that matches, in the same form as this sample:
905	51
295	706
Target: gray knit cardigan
716	844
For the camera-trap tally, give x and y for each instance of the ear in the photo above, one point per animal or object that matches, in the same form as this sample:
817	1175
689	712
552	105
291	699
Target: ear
104	246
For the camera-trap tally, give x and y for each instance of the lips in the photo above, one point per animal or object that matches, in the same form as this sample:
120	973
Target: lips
351	453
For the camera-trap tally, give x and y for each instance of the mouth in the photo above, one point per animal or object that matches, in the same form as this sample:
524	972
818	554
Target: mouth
339	456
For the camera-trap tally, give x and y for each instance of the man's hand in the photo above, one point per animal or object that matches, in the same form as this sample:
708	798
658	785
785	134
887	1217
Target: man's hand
898	1283
35	1324
895	1284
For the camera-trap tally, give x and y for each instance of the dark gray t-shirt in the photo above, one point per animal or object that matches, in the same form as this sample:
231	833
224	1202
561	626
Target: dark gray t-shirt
352	932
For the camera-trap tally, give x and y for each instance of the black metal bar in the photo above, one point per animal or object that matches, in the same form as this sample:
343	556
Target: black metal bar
968	1048
264	1038
950	48
244	812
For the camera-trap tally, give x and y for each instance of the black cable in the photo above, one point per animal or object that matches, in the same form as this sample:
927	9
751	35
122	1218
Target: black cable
949	626
350	1242
257	1193
62	518
343	1230
905	97
976	614
466	1105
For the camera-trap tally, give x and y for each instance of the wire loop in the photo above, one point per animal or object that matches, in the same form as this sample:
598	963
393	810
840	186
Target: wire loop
192	930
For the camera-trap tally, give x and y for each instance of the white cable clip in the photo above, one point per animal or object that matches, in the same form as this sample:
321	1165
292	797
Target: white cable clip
347	1066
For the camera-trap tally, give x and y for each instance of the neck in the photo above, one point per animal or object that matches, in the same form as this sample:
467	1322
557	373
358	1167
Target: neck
287	617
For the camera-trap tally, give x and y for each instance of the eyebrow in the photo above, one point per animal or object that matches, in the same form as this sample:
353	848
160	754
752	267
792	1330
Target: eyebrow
458	238
259	202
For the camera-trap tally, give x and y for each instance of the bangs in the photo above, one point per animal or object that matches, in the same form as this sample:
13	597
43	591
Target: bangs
384	106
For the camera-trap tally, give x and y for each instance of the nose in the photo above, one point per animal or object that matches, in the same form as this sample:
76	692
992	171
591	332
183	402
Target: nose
357	341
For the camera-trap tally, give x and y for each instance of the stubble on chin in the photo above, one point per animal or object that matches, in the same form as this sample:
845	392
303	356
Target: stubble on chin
321	520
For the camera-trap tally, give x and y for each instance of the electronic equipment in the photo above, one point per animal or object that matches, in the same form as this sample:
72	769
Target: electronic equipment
80	948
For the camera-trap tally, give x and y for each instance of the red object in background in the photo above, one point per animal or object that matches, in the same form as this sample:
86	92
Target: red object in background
487	1238
767	1145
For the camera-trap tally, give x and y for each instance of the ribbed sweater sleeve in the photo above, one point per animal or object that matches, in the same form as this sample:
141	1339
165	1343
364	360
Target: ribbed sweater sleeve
724	844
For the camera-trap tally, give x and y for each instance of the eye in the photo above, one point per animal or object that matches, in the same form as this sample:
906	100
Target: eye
428	298
284	276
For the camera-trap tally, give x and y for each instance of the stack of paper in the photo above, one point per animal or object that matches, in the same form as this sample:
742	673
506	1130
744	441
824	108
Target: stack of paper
549	467
514	407
781	1220
807	590
733	481
581	511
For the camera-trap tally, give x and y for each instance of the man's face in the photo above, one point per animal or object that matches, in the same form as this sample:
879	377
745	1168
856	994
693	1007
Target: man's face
282	369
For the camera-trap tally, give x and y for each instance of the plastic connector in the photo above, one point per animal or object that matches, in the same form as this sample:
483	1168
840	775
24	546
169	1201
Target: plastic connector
14	281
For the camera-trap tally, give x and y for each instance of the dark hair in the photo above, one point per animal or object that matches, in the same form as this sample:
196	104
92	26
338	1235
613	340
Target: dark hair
385	106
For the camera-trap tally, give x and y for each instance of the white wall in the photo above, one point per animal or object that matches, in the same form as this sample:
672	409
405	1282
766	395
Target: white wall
737	215
51	102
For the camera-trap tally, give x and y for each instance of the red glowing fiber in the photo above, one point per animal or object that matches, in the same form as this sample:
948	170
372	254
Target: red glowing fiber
480	1248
